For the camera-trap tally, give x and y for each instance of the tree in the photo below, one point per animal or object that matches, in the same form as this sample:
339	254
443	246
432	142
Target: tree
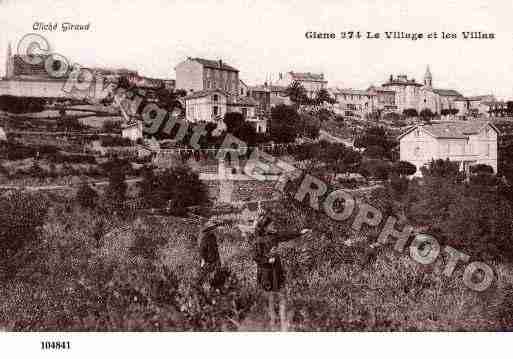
309	126
405	168
233	120
117	187
284	124
509	108
176	188
110	126
86	196
445	111
21	215
323	96
376	136
239	128
374	151
441	169
481	168
426	115
410	112
297	94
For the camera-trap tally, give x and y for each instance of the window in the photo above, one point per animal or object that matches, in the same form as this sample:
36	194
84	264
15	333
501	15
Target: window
417	152
244	112
215	98
215	110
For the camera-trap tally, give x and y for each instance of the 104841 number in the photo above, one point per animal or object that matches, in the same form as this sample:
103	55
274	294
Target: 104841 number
55	345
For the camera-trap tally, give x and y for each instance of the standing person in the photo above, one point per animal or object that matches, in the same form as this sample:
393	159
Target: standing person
208	251
270	272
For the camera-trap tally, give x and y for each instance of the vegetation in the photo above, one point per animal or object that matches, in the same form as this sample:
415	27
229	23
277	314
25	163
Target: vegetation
284	124
377	142
176	188
19	105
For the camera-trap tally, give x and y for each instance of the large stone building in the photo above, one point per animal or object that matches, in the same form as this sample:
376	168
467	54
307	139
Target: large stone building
196	74
312	82
409	94
465	142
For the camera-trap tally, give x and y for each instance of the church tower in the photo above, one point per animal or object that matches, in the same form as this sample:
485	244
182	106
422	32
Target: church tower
8	63
428	78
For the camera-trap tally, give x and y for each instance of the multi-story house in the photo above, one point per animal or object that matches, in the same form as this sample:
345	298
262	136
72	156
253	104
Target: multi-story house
465	142
354	104
385	99
212	106
312	82
196	74
206	105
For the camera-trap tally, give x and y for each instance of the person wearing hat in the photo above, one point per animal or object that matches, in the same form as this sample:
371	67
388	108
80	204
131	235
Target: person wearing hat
208	251
270	272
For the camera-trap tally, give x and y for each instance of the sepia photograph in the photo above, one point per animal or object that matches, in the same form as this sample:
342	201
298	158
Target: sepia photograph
261	167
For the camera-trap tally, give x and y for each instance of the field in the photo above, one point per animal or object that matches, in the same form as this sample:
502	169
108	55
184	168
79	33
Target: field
84	273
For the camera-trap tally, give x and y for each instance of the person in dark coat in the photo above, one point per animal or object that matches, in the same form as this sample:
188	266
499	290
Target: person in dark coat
208	251
270	272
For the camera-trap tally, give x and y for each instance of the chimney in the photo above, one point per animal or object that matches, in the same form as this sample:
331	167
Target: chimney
220	63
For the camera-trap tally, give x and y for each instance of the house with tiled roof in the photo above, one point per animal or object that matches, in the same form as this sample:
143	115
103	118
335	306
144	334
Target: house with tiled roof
212	106
206	105
197	74
312	82
466	142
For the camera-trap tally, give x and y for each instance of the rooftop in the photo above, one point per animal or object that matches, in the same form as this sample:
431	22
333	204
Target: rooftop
307	76
452	129
444	92
214	64
203	93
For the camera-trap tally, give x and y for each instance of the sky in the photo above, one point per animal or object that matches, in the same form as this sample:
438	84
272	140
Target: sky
267	37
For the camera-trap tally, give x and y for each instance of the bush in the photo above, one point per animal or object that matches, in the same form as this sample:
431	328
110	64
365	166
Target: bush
110	126
284	123
117	187
19	105
177	188
115	141
378	169
20	217
410	112
405	168
86	196
481	168
441	168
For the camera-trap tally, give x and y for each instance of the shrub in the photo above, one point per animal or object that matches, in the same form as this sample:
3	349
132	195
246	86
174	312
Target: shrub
405	168
86	196
20	217
481	168
117	187
110	126
18	105
177	187
115	141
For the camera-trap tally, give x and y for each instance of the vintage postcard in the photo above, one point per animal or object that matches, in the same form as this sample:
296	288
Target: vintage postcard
255	166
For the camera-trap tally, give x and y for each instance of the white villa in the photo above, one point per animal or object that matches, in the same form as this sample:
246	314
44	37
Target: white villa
466	142
212	105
